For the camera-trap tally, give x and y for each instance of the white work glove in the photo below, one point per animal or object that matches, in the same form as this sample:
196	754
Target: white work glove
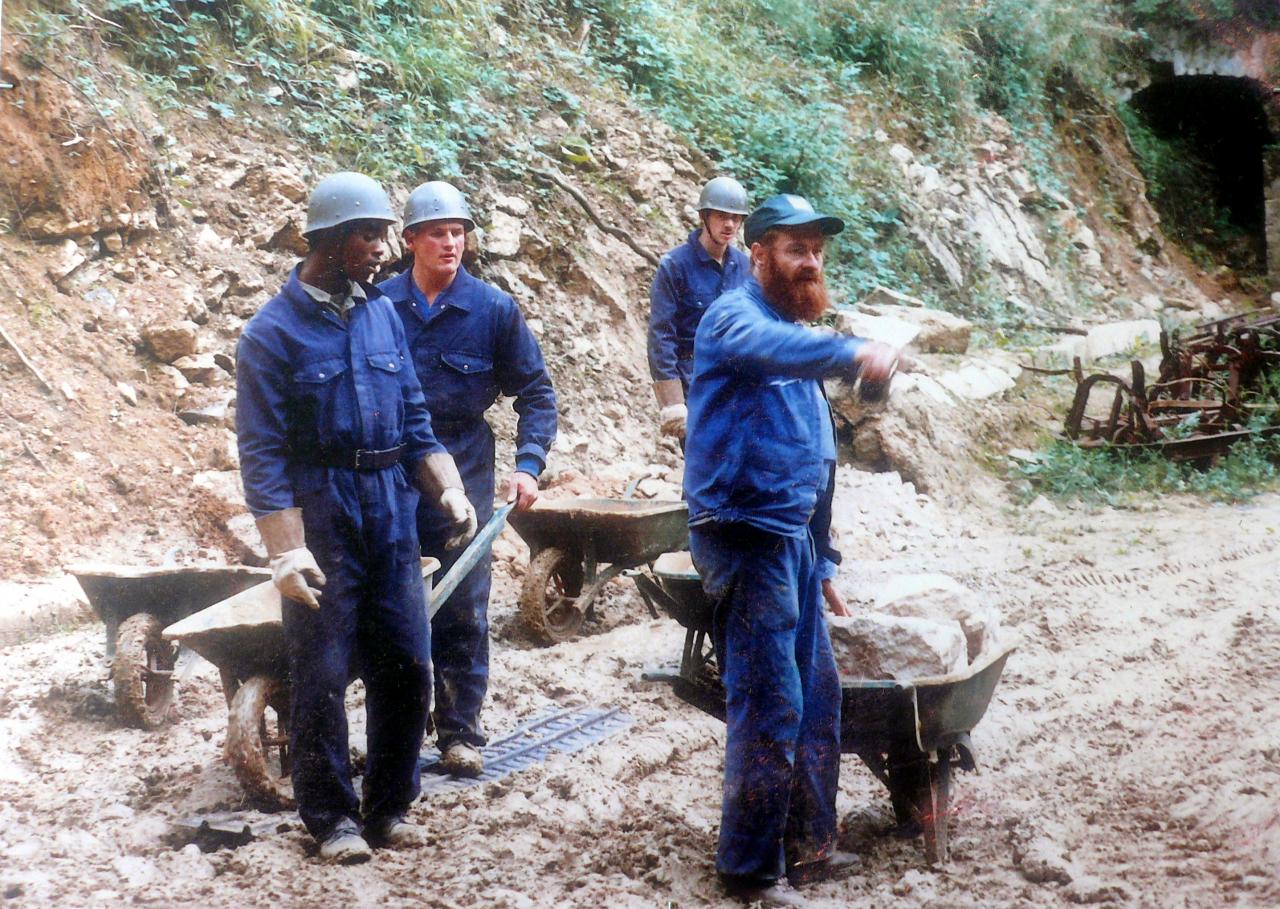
294	572
671	420
462	517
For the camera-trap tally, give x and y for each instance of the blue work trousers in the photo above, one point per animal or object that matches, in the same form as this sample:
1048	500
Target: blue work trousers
372	623
460	630
782	753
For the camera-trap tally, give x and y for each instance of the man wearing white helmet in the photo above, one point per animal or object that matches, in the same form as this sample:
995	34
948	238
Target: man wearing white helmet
689	278
335	444
469	344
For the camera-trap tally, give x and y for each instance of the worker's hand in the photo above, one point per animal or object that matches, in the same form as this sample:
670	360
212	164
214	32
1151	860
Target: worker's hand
835	602
672	419
876	361
462	517
522	488
294	573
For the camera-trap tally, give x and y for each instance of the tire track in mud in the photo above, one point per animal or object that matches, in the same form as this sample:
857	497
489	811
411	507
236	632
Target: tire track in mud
1085	579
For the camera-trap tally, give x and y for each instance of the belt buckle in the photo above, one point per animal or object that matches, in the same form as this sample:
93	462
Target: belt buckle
364	459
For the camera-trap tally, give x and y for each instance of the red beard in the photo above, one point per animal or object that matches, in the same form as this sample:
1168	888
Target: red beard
801	296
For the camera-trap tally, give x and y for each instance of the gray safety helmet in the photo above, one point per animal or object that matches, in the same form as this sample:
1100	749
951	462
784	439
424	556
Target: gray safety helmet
344	197
437	201
723	194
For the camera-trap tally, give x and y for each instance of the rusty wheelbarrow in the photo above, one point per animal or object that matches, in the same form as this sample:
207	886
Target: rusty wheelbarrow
578	545
910	734
135	604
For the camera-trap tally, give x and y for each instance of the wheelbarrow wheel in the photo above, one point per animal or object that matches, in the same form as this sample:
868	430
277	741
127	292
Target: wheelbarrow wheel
932	805
142	672
548	600
258	742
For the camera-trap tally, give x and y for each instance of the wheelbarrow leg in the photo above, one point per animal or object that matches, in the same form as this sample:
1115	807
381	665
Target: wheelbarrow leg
933	805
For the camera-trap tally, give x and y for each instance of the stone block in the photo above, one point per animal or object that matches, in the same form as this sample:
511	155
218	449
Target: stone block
171	341
941	598
1120	337
940	331
894	332
872	646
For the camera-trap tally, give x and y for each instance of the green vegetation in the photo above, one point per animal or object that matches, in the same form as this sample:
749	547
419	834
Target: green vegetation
1114	476
787	95
1177	13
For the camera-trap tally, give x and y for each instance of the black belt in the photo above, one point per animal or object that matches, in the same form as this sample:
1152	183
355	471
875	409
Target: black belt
353	458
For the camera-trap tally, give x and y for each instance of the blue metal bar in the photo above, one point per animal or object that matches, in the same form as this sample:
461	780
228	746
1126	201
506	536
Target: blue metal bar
474	553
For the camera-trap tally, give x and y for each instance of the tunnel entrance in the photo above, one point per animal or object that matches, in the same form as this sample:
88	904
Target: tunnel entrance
1203	145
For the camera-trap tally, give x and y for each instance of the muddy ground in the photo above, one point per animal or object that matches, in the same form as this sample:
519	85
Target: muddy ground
1130	757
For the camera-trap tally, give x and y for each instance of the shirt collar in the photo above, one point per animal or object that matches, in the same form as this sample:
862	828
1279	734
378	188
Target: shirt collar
455	295
700	252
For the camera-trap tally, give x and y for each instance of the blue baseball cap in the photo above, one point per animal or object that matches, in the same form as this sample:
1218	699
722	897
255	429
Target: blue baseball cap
787	210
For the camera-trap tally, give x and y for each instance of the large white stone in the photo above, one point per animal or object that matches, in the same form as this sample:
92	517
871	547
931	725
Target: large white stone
1120	337
940	331
894	332
977	381
502	239
941	598
872	646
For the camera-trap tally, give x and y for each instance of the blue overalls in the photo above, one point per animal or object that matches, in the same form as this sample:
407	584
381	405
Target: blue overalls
309	382
688	280
758	464
468	348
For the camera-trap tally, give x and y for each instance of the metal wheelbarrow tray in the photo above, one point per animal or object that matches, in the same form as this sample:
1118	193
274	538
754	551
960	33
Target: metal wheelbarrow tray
244	637
135	604
910	734
579	545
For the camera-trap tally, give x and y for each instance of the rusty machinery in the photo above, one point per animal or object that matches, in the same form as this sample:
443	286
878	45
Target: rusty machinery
1211	392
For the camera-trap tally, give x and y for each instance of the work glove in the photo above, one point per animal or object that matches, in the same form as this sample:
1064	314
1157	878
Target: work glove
293	568
462	517
672	419
436	477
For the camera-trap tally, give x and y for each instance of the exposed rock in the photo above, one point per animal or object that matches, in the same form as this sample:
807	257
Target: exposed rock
940	331
1087	889
128	392
263	180
66	260
201	369
512	205
940	598
977	381
112	243
891	331
648	177
883	296
1120	337
244	531
872	646
171	341
502	239
211	414
283	233
244	282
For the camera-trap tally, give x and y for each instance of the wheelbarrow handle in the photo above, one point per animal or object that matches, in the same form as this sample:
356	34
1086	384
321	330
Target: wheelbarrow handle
474	552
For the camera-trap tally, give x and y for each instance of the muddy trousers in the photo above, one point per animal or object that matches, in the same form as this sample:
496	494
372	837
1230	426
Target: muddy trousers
782	751
371	623
460	630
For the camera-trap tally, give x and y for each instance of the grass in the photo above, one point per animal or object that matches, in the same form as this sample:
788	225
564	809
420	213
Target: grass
1119	477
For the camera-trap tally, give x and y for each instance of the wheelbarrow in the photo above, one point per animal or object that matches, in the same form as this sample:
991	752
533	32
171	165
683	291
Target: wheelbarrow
579	545
244	637
135	604
910	734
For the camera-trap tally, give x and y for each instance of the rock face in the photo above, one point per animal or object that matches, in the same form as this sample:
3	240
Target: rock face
938	331
892	331
940	598
874	646
171	341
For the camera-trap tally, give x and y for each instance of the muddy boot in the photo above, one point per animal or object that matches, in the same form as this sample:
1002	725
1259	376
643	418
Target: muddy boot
834	865
394	833
767	894
461	759
344	846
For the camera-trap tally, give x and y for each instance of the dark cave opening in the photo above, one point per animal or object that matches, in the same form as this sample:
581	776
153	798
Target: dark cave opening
1205	164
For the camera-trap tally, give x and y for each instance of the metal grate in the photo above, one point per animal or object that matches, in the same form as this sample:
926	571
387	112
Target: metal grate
566	731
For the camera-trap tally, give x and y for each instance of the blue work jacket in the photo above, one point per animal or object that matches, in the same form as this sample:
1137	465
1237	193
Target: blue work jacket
687	282
306	380
468	348
761	446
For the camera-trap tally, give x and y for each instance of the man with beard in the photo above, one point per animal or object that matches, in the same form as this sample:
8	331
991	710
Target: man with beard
689	278
334	436
758	466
